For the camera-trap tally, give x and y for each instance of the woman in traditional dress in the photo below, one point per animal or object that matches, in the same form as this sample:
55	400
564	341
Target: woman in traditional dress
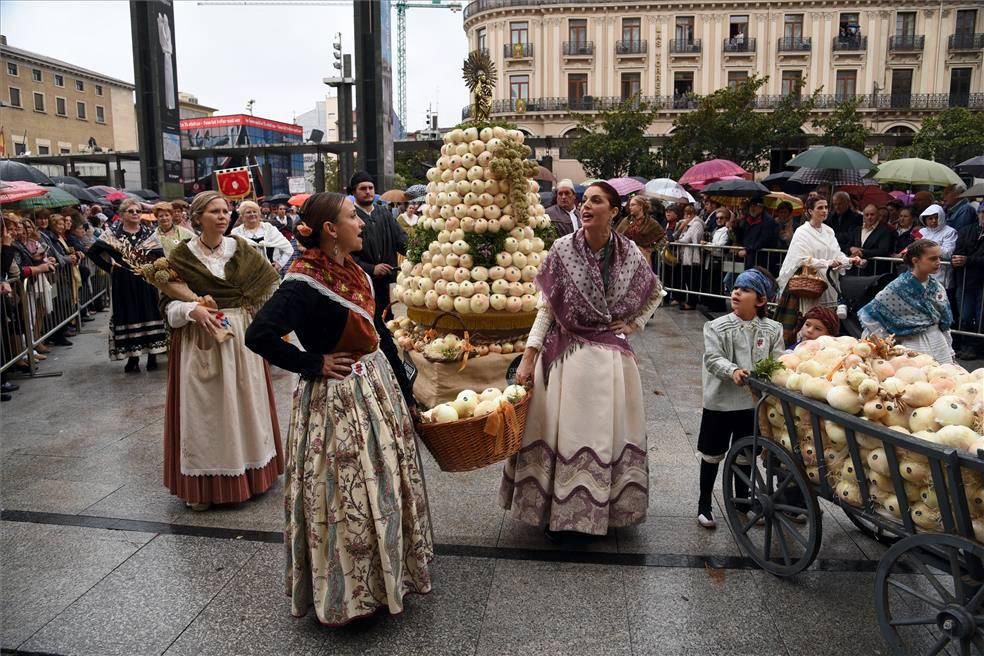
814	244
169	233
358	530
583	466
221	436
642	228
914	307
135	325
274	245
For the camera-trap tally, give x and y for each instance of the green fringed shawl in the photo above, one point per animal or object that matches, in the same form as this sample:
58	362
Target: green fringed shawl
249	277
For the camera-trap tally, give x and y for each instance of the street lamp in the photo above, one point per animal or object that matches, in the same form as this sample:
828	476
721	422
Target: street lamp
249	105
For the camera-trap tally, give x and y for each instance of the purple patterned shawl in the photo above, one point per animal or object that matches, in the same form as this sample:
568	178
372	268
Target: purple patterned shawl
571	283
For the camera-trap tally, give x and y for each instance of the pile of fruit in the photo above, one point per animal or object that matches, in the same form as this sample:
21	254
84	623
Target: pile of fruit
449	347
483	233
896	388
471	404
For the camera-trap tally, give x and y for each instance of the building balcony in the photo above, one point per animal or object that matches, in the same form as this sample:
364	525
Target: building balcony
906	43
966	41
685	47
824	102
850	44
799	44
482	51
517	51
578	48
734	46
631	47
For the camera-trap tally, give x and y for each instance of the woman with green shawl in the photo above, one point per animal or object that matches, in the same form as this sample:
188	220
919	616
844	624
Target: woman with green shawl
221	437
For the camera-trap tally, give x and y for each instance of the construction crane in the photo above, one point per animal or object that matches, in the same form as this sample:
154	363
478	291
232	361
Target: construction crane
401	7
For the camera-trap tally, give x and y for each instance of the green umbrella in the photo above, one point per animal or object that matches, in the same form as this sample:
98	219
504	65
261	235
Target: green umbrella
56	197
832	157
915	171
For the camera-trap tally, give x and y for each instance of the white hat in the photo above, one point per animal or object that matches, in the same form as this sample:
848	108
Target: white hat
934	209
566	183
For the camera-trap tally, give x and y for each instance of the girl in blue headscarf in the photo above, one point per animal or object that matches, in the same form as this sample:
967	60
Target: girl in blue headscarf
914	307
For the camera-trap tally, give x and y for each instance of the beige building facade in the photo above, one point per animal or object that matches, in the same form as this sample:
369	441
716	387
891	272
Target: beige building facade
51	107
557	57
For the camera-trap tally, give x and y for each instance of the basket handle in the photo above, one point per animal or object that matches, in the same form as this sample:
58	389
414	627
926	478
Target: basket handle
447	314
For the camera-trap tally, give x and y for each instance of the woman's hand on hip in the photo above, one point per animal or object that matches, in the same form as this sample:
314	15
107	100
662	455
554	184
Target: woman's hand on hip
206	318
337	365
524	374
622	327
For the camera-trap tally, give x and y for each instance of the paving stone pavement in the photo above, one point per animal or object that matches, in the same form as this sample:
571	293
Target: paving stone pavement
97	557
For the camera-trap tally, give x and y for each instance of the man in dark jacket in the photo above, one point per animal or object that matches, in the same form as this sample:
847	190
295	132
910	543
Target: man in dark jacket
959	212
563	213
382	239
758	230
870	240
968	267
843	218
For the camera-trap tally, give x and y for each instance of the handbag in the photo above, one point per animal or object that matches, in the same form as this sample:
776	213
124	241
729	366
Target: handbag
807	283
670	258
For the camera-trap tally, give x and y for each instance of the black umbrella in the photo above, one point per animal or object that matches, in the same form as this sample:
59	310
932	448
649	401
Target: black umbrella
146	194
973	166
782	180
735	189
278	198
10	170
81	193
68	179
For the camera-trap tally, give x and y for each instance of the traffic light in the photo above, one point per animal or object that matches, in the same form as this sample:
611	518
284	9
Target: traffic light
337	51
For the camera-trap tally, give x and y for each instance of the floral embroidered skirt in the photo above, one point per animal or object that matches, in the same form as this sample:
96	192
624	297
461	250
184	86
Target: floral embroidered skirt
583	464
358	532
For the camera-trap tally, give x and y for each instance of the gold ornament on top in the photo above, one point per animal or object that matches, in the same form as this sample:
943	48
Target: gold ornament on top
479	73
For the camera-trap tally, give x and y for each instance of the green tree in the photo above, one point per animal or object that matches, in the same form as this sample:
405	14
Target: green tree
843	127
949	137
613	144
411	165
332	182
726	125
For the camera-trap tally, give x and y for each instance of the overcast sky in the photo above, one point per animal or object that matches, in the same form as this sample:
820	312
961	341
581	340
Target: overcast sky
227	55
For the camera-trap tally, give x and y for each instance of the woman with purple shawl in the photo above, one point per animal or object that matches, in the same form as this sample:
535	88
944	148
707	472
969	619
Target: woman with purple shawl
583	465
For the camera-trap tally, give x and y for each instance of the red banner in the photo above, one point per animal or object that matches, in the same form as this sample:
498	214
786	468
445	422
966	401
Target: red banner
239	119
234	183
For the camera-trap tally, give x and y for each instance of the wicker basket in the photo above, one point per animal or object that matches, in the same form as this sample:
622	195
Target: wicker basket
468	444
807	283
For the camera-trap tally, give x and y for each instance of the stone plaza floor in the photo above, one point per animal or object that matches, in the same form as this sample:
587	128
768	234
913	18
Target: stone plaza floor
97	558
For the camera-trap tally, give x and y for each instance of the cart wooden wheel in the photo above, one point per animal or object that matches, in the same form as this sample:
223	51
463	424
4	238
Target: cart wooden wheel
870	529
781	535
928	599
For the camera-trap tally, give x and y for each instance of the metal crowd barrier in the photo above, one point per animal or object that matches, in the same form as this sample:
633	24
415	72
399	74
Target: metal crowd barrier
42	305
704	271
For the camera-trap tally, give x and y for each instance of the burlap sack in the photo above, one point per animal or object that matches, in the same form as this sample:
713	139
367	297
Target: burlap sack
440	382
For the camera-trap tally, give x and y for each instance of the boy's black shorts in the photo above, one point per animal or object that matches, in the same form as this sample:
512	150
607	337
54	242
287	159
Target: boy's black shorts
719	428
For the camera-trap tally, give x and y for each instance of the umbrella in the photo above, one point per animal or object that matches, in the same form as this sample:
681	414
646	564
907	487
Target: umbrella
81	193
666	189
68	179
699	186
114	196
15	190
10	171
639	178
832	157
55	197
736	189
419	200
902	196
782	181
413	191
916	171
710	170
626	186
544	174
394	196
776	198
869	195
298	199
973	166
277	198
146	194
836	177
974	192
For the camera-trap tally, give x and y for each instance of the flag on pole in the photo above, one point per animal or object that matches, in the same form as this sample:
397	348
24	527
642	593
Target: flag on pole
234	183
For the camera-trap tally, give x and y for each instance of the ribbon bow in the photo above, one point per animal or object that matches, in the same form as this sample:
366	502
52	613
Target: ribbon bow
495	425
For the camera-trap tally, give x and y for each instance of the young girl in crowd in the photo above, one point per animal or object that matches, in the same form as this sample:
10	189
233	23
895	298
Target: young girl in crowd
732	345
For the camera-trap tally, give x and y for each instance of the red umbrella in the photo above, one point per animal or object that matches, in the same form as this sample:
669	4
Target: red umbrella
543	174
114	196
713	169
700	185
298	199
868	195
626	186
15	190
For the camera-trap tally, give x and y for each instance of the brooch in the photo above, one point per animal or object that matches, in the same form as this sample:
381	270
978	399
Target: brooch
359	369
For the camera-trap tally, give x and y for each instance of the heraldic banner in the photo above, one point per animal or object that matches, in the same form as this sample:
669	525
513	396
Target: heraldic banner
234	183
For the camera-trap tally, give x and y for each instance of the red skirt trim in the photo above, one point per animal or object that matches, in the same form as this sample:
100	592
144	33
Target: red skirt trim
212	489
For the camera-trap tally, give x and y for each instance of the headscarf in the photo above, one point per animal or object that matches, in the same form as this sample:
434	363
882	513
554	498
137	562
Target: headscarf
826	316
572	283
755	279
908	307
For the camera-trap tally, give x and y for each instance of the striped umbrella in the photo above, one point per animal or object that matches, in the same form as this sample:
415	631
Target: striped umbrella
626	186
836	177
17	190
55	197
